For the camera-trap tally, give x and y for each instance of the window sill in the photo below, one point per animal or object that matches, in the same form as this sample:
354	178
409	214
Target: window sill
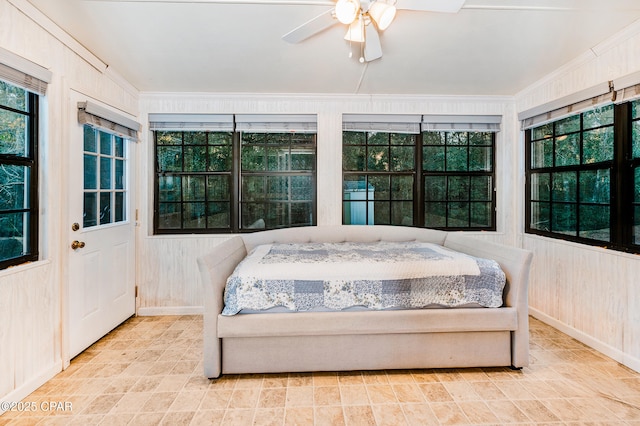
12	270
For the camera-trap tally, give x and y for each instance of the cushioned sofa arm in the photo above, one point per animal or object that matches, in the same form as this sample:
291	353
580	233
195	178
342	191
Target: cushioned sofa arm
214	270
515	263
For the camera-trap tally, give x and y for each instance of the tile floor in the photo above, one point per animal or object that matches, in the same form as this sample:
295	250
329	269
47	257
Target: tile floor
148	372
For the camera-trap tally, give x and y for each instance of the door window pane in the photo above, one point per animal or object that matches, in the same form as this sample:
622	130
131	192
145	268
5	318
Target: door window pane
120	207
90	216
106	143
105	173
105	208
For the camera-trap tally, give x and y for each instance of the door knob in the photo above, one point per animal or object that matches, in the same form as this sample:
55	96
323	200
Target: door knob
77	244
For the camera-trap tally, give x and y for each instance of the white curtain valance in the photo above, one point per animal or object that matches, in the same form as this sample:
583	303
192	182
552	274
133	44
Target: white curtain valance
107	120
390	123
191	122
23	73
627	88
461	123
589	98
277	123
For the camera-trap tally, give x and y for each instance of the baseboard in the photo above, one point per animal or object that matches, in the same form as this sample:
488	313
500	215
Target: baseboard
608	350
29	387
170	310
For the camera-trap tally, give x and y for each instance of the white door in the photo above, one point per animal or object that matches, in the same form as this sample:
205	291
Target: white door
101	235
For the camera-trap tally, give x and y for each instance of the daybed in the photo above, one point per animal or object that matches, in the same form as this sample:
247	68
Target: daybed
364	340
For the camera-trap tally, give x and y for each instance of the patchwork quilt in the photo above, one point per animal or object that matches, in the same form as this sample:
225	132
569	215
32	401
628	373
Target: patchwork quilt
340	276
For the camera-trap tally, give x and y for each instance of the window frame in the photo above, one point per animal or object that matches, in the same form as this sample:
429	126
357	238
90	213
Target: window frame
32	161
469	173
419	174
235	174
621	194
242	173
390	174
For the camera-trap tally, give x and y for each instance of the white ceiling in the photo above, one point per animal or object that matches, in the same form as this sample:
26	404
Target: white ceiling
490	47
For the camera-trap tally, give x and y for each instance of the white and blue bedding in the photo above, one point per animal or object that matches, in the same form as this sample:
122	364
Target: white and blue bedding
377	276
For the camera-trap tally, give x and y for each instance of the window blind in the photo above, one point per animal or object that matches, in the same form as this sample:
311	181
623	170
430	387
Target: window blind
23	73
191	122
627	88
277	123
589	98
389	123
110	121
461	123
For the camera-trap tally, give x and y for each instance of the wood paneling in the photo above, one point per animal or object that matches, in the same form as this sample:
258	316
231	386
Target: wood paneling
588	292
31	304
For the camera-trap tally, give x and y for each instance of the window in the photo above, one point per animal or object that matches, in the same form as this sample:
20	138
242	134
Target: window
635	167
431	178
379	178
277	180
104	192
18	175
577	169
458	180
193	180
243	173
570	175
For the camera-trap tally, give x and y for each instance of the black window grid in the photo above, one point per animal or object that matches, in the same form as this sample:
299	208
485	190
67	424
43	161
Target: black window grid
230	206
418	198
619	211
29	161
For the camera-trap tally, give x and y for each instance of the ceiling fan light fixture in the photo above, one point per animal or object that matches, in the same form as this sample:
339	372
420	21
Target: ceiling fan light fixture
382	14
347	11
355	32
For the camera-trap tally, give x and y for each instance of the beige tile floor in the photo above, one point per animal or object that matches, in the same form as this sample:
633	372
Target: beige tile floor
148	371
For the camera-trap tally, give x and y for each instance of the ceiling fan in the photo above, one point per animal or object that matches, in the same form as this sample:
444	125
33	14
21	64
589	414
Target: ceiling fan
365	19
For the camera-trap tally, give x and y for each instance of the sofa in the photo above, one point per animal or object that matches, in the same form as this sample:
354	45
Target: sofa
364	340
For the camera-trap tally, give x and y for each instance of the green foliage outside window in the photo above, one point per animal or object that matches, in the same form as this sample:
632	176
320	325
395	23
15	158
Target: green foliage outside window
18	175
458	180
196	181
193	180
570	161
434	179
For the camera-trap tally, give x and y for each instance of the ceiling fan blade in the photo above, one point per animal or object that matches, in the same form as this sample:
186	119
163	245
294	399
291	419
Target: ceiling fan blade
310	28
448	6
372	47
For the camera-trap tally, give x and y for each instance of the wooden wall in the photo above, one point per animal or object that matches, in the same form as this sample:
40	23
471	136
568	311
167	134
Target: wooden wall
590	293
31	306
